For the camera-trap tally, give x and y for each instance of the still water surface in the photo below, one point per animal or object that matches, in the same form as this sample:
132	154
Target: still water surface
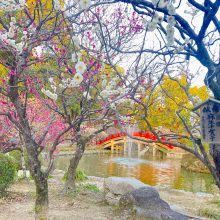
152	171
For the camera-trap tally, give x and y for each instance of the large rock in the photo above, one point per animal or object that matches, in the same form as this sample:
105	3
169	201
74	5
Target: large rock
145	203
115	187
121	185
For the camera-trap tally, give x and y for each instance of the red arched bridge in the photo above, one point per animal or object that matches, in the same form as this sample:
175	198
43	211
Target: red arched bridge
121	142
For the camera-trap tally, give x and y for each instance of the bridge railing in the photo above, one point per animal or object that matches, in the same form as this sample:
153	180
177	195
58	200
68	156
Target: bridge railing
139	134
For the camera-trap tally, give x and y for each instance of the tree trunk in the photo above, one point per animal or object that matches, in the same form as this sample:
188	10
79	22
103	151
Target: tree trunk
41	203
70	185
216	159
40	179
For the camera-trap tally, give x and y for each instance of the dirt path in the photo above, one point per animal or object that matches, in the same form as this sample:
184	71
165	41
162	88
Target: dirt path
84	205
87	204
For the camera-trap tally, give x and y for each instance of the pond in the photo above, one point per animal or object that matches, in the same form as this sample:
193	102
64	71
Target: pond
152	171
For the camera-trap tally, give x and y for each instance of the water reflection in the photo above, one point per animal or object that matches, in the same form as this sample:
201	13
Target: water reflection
162	172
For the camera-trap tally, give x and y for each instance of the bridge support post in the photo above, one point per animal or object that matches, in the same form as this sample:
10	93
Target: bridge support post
139	148
125	145
154	151
112	146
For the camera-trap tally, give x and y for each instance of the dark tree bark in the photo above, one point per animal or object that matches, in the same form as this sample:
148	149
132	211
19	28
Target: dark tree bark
40	178
41	203
216	158
213	83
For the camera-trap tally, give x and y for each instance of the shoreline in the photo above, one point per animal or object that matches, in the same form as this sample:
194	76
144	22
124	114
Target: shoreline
86	202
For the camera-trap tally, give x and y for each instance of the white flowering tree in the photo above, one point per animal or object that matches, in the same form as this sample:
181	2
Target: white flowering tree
29	31
48	71
173	37
86	102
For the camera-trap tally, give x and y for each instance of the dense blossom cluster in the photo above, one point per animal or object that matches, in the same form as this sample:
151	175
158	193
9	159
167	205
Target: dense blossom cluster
152	25
50	94
83	4
170	30
57	5
111	90
71	82
66	82
10	39
11	5
160	3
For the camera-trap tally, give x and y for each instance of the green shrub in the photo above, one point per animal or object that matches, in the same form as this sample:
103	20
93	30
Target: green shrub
7	172
80	176
89	186
16	155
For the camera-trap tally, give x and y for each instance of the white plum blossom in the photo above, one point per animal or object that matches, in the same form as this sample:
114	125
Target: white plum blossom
64	83
80	67
84	4
54	88
162	3
171	9
78	78
13	20
53	84
187	40
74	58
57	5
8	37
20	47
179	49
50	79
71	83
104	83
156	17
111	88
152	26
104	94
11	33
11	5
155	2
49	94
171	20
22	2
76	41
170	30
113	106
87	95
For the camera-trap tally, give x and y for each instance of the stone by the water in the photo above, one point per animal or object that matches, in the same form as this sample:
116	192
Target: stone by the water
115	187
122	185
145	203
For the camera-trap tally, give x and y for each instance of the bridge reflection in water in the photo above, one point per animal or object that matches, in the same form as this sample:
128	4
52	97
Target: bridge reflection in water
152	171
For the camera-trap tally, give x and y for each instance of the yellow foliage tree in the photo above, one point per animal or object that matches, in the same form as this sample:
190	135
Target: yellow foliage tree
172	96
